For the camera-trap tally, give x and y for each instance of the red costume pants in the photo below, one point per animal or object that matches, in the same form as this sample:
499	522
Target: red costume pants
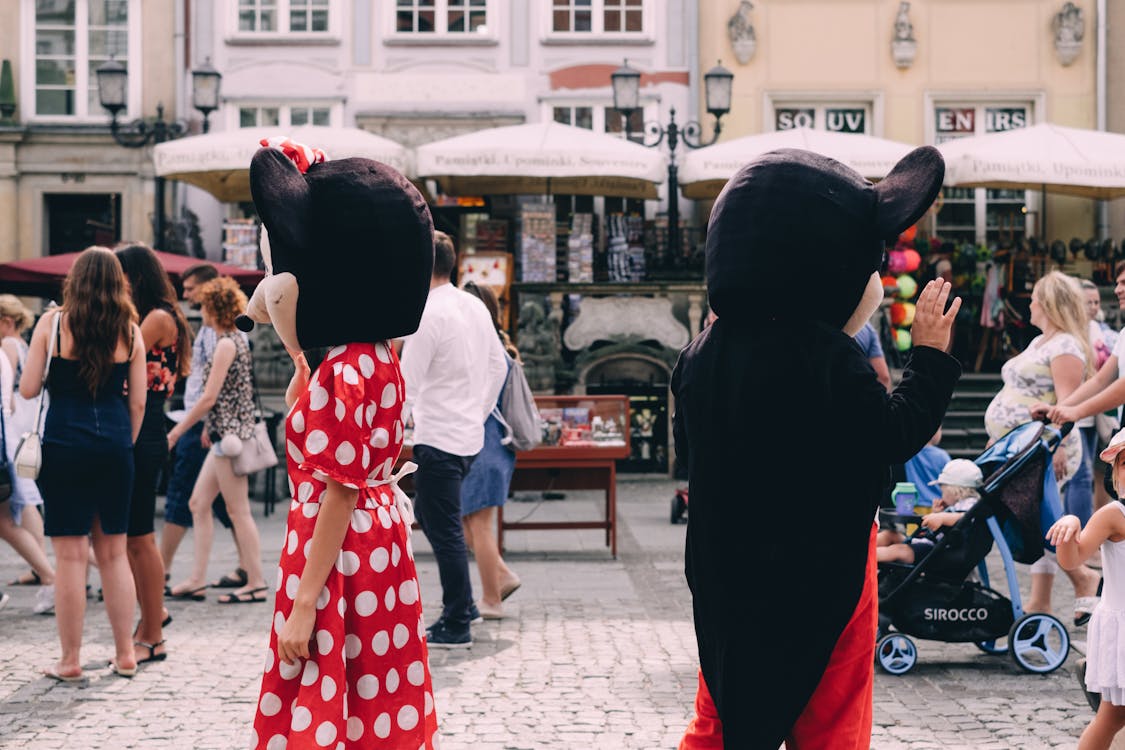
838	715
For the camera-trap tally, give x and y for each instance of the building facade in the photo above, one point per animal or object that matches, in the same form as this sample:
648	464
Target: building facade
64	182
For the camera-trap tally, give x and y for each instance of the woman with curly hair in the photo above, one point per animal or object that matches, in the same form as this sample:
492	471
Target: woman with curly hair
167	340
227	406
96	358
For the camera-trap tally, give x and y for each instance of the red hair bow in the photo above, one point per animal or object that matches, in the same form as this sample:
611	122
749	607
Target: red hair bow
300	154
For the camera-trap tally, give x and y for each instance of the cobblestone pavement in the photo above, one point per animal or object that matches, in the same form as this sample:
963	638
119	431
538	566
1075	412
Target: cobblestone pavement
597	653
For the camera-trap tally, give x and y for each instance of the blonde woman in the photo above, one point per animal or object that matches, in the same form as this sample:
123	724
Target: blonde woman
1052	367
19	413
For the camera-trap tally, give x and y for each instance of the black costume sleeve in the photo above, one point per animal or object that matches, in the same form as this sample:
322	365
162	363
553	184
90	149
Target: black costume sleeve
893	427
679	429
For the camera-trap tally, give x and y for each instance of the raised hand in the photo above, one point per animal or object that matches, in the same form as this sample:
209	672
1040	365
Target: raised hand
932	324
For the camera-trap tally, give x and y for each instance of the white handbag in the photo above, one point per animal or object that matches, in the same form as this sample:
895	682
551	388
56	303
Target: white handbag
29	451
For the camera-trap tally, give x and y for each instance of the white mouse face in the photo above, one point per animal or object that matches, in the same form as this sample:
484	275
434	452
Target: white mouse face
264	246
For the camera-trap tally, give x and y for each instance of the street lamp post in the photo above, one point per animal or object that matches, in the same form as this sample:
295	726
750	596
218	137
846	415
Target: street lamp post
113	87
626	99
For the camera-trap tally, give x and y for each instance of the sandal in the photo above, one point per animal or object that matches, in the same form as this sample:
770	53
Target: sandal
152	655
165	623
1084	609
246	597
122	671
27	579
55	675
237	581
191	595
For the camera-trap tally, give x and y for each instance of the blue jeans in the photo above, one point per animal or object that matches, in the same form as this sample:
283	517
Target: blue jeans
1078	496
437	506
186	463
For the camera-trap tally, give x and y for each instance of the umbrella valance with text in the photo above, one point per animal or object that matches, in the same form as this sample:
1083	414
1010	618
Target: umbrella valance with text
543	157
704	172
220	162
1070	161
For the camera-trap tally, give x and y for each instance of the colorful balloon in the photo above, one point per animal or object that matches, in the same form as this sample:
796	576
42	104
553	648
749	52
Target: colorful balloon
907	286
898	314
908	313
912	260
896	262
909	234
902	339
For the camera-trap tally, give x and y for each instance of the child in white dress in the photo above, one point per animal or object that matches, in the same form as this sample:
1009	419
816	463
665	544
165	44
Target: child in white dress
1105	669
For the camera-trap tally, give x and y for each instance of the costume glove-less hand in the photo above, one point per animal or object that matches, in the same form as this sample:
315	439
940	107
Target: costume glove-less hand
932	326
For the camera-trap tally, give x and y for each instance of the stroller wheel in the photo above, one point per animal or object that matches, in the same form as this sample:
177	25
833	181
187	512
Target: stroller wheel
992	647
1039	643
896	653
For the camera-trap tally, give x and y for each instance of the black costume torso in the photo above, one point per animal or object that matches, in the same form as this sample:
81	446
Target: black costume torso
791	436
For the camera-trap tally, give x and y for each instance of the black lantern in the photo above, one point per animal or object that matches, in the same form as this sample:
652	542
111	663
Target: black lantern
205	83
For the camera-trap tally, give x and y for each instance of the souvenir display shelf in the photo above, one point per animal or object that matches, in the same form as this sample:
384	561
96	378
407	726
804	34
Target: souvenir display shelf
583	438
578	453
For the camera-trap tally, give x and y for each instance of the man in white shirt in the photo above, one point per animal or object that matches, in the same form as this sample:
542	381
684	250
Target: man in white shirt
454	369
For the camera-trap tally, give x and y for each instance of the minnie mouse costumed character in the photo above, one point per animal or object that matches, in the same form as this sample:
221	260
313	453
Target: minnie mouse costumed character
352	254
786	638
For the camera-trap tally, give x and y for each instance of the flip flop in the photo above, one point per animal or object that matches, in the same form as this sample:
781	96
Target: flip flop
122	672
231	582
27	579
194	595
54	675
246	597
508	590
1084	609
152	655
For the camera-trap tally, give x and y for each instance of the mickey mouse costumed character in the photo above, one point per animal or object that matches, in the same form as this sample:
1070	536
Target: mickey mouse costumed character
352	254
781	422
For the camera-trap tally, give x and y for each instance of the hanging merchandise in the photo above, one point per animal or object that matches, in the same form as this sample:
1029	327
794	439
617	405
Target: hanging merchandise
635	239
240	243
580	248
537	242
617	248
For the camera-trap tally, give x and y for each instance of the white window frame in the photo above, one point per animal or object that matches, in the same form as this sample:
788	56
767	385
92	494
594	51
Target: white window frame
871	101
1035	101
83	75
441	35
285	109
597	33
282	35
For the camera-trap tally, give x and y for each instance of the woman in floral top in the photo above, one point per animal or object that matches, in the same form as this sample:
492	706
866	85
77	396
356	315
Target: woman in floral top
1052	366
227	404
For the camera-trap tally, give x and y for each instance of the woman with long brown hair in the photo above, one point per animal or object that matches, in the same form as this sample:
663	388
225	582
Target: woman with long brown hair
97	385
167	342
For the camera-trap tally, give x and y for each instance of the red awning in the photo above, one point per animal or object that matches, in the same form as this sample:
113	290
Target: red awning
43	277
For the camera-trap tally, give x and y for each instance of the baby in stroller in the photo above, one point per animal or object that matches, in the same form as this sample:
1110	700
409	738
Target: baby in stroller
959	481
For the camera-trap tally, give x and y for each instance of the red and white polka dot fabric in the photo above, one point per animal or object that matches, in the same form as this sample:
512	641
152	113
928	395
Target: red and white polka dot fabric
367	683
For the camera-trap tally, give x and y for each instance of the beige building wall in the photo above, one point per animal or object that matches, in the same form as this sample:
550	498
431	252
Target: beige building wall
39	158
1115	99
968	51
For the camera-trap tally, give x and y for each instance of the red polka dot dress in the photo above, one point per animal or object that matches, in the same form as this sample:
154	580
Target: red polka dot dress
367	681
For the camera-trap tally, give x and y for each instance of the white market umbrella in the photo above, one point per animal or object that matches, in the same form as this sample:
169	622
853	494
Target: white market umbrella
545	157
1051	158
220	162
704	172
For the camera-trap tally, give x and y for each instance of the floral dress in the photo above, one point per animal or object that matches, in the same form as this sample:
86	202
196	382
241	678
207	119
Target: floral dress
367	681
1027	379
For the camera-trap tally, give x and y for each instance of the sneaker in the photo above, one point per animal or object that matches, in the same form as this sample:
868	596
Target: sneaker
442	635
474	615
44	601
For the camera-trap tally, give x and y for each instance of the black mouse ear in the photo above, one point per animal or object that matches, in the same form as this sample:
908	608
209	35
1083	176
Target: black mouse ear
283	201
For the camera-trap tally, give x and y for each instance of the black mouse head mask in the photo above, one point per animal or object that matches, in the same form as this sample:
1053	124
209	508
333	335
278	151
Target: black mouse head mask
792	223
348	246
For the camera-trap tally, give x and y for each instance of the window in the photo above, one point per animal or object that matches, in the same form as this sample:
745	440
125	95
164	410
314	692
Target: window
579	117
441	16
283	16
283	116
972	214
597	16
71	39
609	120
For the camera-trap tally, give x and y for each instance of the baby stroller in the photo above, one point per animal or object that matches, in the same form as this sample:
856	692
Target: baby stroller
679	506
937	598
